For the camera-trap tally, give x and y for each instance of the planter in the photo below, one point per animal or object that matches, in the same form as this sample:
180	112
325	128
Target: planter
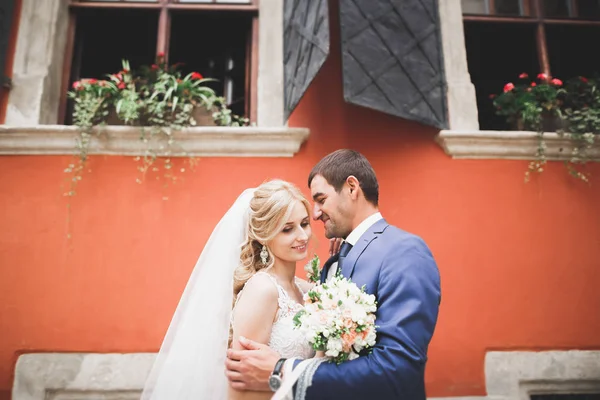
550	123
201	115
113	119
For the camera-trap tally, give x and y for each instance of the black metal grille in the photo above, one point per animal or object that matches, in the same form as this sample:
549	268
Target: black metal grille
306	46
392	58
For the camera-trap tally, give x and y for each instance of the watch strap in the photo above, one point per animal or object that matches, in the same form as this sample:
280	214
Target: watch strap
278	366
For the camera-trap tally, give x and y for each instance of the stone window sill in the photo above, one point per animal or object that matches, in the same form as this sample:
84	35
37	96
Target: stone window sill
125	140
508	145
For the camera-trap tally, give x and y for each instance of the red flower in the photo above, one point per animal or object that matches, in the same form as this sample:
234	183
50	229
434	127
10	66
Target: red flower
583	79
508	87
121	85
556	82
542	77
524	75
197	75
533	84
76	85
154	67
93	81
160	54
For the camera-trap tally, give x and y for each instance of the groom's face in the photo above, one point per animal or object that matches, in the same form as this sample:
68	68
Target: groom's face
332	208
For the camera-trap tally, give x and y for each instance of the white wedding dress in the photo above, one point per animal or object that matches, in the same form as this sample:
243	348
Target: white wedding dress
191	362
285	339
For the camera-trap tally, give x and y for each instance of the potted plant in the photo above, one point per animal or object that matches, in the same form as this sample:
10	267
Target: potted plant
546	104
158	98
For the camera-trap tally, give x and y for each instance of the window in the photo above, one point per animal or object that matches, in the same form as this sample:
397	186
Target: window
218	38
504	38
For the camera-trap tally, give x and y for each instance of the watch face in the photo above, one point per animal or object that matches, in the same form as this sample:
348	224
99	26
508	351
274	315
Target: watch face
274	382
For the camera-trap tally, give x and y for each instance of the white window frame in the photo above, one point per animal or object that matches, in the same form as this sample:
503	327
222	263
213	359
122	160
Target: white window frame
32	110
464	139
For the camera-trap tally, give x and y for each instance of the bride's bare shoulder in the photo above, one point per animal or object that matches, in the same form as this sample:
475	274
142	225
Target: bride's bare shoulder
255	309
260	287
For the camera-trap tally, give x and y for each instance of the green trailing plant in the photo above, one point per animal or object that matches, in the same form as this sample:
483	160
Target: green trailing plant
159	99
546	104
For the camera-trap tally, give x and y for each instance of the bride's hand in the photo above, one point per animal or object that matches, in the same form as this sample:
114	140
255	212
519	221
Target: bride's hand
319	354
334	245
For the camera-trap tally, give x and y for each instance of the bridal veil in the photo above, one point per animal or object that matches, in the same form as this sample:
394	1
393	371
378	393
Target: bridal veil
191	362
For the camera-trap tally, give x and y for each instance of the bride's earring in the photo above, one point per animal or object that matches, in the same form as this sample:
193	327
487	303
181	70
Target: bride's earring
264	255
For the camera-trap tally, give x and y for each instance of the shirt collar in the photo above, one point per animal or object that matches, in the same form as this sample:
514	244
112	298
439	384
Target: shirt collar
362	228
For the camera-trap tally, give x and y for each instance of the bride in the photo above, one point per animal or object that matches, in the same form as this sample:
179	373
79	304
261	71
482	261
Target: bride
243	284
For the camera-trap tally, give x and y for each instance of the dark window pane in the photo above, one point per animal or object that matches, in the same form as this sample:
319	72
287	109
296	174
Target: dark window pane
132	36
564	50
99	51
588	9
508	7
214	44
555	8
497	53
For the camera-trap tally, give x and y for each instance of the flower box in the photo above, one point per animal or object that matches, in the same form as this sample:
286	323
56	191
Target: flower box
547	105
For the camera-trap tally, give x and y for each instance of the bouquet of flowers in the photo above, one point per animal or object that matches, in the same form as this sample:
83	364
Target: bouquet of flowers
338	319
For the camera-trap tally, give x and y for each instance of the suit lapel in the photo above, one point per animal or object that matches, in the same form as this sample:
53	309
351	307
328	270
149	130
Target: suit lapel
327	265
365	240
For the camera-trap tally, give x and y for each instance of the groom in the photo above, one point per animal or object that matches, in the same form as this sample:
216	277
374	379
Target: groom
396	266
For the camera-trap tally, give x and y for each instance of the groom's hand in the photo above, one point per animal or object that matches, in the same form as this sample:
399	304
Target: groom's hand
250	368
334	246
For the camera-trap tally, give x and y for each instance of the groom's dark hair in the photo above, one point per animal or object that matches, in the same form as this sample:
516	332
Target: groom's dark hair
336	167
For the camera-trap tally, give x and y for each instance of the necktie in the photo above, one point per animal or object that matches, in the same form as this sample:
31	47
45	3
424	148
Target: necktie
344	250
339	257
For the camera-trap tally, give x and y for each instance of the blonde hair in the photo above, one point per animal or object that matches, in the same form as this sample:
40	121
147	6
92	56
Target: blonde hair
270	209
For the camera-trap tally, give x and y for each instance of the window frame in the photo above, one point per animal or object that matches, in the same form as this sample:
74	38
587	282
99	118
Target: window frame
464	139
163	35
535	16
32	112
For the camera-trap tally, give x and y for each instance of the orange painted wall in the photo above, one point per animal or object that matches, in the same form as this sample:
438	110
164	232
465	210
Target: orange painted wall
519	262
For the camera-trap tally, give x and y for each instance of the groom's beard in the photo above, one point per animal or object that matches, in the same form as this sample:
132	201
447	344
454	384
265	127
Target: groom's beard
333	230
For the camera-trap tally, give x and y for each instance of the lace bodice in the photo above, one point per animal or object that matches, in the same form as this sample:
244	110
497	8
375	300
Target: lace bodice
285	339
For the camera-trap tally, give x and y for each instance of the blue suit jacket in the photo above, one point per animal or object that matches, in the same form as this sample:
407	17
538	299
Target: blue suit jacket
398	268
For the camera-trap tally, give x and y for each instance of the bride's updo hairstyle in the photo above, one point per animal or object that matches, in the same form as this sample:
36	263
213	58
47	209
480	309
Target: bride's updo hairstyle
270	209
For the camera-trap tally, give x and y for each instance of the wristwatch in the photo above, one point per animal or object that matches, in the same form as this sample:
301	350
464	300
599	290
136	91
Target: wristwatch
275	378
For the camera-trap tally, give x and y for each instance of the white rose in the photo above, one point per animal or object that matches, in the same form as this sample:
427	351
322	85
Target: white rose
358	314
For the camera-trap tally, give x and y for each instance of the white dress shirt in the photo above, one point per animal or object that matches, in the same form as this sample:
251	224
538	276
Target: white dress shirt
355	235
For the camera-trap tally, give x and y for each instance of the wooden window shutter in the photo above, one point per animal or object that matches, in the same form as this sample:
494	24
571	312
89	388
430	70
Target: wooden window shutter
305	47
392	58
6	16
